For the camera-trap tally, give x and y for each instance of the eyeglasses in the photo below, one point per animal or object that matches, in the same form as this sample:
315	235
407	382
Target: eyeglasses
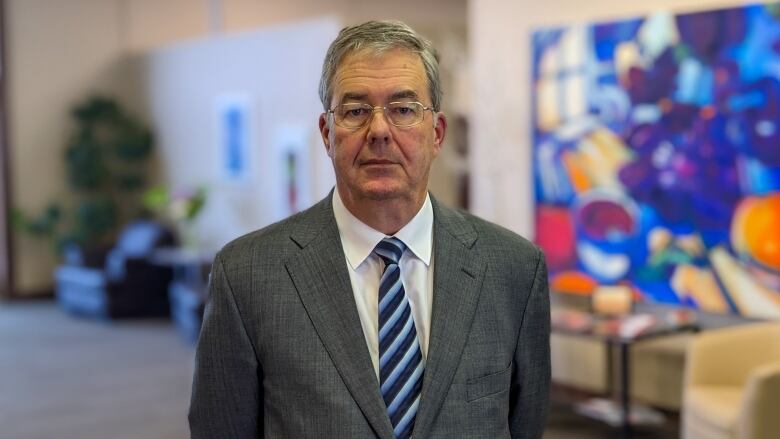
400	114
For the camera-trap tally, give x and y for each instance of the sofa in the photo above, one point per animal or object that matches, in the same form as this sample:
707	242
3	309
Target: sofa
121	281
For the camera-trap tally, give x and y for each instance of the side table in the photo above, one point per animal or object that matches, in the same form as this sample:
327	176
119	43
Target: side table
622	333
187	291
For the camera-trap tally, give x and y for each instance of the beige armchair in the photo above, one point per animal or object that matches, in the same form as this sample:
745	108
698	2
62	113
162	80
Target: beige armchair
732	384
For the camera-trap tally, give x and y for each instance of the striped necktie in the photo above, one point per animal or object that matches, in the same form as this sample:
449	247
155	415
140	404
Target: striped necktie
400	359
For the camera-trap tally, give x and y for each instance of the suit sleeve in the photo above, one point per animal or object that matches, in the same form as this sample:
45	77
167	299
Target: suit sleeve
226	388
530	392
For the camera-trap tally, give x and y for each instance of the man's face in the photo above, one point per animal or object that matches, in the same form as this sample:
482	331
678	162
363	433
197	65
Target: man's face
381	161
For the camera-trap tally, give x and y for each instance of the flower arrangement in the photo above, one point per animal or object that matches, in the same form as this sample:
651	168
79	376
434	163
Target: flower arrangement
179	207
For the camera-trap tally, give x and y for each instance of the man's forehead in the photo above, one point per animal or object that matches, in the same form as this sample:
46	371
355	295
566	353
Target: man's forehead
367	58
397	73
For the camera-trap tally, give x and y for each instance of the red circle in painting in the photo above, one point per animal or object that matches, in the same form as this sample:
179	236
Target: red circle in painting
555	235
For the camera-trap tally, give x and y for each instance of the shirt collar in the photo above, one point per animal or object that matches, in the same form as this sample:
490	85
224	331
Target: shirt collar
359	239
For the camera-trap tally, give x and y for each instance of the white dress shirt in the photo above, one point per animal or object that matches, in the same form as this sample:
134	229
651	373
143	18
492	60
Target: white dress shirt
365	270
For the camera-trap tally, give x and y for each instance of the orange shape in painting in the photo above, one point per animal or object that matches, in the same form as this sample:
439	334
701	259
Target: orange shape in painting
760	223
573	282
577	175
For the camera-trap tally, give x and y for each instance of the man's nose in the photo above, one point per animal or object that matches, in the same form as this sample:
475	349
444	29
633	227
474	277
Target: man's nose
378	126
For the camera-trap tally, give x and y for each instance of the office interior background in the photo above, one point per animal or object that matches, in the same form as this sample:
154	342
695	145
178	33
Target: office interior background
229	90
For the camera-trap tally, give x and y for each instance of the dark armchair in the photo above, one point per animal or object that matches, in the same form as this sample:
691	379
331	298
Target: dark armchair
122	281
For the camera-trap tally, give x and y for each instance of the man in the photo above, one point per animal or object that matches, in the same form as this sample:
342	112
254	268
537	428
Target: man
377	312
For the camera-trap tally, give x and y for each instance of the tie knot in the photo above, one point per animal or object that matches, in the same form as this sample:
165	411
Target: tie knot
390	250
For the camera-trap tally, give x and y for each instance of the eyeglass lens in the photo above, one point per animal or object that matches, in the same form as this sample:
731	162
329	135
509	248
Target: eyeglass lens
397	113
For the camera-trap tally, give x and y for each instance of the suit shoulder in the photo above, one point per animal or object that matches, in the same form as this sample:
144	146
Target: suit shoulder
512	256
493	236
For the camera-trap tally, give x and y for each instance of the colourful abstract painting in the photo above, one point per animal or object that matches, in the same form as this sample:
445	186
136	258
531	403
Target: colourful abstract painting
657	157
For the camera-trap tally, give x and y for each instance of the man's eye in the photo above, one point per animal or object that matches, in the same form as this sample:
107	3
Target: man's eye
355	112
404	110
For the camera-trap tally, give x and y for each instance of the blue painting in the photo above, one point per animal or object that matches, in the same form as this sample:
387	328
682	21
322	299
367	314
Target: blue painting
656	149
234	131
235	127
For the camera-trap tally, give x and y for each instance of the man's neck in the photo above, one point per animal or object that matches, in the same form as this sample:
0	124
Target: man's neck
385	215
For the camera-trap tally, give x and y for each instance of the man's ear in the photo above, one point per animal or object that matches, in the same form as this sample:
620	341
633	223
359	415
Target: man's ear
325	133
439	130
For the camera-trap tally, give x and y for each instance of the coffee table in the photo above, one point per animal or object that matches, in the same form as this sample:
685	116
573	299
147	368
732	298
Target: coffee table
622	332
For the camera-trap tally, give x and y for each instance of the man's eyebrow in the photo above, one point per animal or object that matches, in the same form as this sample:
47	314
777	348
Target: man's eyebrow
404	94
350	96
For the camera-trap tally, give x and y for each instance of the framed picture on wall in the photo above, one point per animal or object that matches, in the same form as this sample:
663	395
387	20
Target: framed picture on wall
234	116
292	147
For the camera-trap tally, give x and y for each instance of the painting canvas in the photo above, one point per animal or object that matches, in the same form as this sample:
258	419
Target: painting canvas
292	142
234	122
656	157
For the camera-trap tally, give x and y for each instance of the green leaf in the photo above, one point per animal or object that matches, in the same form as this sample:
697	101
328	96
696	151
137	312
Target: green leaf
86	168
95	219
156	198
43	225
130	182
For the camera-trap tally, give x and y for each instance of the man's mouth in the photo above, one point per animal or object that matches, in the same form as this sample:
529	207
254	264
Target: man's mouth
377	162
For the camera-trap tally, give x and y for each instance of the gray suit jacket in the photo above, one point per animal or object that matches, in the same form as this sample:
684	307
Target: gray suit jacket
282	351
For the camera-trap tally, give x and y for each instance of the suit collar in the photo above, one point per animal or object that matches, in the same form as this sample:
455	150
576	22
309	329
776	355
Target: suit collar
458	274
360	239
308	225
454	223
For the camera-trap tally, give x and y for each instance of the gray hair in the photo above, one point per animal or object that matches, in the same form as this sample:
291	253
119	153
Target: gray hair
379	37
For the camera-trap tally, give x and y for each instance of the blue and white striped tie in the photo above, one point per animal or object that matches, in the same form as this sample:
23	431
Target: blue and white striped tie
400	359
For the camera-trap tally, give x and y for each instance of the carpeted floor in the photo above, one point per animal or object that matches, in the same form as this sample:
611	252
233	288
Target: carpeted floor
70	378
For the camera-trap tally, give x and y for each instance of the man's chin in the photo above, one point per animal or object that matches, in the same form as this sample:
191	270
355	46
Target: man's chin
376	190
381	192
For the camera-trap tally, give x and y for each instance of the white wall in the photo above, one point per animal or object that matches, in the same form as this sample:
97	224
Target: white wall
277	71
500	48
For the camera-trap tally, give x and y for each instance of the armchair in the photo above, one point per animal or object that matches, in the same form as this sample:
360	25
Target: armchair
732	383
120	282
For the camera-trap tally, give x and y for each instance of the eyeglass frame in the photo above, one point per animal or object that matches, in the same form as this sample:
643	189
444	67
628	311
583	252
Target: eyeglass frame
384	112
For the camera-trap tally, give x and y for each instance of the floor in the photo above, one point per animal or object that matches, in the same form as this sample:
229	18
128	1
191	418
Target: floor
564	423
69	378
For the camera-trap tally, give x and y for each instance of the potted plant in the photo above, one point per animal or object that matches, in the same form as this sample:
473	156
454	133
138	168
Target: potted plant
106	161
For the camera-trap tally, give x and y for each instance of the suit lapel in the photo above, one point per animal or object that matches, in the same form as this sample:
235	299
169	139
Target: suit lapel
458	275
320	276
